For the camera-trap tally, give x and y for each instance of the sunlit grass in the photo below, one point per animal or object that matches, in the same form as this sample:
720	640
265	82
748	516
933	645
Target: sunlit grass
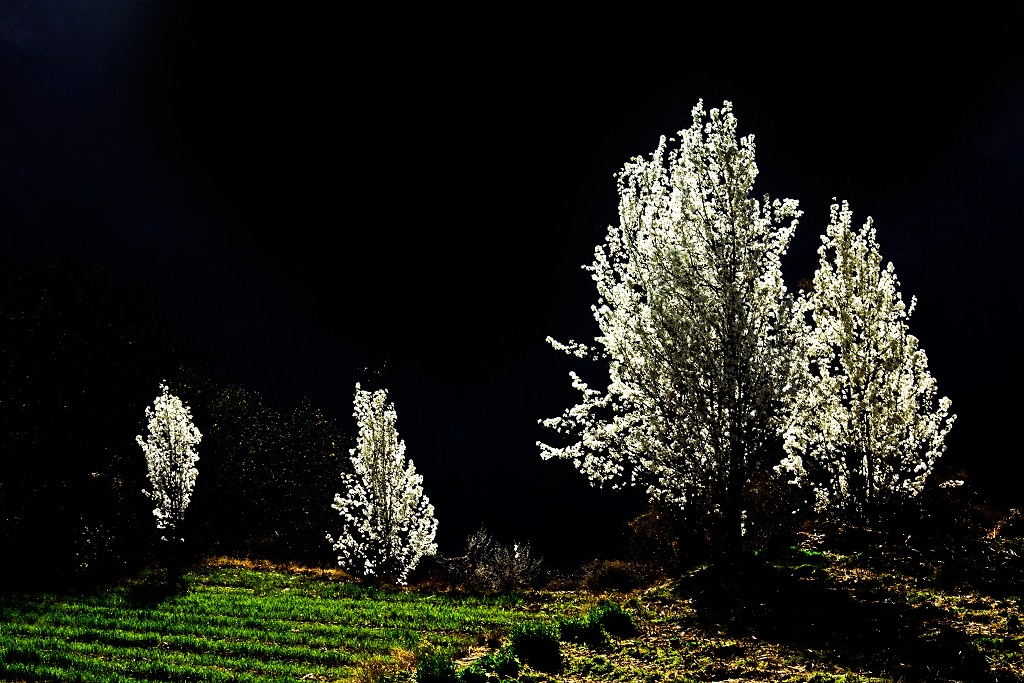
233	624
797	614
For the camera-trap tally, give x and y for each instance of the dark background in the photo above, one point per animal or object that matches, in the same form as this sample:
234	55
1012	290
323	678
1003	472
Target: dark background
285	196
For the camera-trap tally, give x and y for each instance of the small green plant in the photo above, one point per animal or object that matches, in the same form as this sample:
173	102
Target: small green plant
604	619
800	562
502	663
536	644
436	668
598	666
615	620
1012	623
583	630
473	673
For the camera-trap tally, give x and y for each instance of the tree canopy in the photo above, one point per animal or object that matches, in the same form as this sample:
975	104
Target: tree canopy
696	326
171	459
865	427
388	525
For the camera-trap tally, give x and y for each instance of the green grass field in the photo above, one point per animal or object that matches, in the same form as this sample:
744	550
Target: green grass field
803	616
235	624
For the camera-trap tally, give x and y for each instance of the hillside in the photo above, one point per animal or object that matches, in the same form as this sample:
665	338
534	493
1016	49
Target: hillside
811	612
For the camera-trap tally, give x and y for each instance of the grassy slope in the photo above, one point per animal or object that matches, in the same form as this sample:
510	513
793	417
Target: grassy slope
233	624
803	615
814	616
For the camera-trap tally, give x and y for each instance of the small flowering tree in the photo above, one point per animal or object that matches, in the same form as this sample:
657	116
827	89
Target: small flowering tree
171	460
388	524
864	428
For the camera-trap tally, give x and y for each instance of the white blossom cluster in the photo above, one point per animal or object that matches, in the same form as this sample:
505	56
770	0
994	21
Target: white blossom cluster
170	458
695	323
864	428
388	525
711	360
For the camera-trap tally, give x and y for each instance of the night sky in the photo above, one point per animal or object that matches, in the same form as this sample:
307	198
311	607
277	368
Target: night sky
310	191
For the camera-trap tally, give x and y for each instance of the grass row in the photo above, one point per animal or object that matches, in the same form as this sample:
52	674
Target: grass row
233	624
801	615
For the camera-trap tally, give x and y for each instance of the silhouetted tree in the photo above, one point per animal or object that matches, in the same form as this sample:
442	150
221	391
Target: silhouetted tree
82	348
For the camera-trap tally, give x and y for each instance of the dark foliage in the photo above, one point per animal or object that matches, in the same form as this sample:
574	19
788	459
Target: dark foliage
613	619
583	630
601	576
655	541
604	619
775	512
502	663
474	673
266	479
155	588
433	573
536	644
857	624
83	355
947	535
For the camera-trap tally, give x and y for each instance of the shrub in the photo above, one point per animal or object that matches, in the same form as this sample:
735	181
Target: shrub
949	509
613	619
606	575
774	512
509	568
654	540
593	630
536	644
489	567
96	548
583	630
473	673
436	668
502	663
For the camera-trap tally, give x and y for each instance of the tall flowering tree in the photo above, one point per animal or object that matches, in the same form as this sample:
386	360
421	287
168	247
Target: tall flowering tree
696	327
388	524
865	427
171	460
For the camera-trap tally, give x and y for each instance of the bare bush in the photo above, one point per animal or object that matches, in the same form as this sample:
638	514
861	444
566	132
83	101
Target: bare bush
490	567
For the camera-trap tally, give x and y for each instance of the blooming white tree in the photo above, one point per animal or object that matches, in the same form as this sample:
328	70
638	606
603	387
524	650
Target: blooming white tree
170	458
388	524
695	324
864	428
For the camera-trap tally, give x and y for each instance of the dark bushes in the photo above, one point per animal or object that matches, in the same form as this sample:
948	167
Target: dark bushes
604	619
436	668
536	644
601	576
